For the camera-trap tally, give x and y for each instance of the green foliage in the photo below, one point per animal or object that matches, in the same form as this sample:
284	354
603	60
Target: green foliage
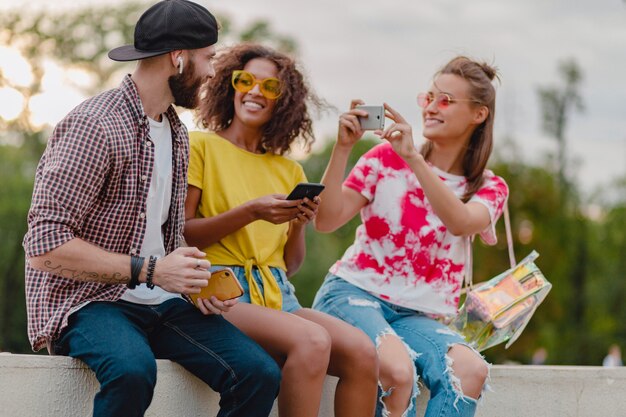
606	290
17	172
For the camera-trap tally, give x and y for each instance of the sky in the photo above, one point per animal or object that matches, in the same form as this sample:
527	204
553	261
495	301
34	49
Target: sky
387	52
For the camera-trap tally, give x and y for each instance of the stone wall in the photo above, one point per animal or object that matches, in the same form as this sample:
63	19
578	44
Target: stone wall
54	386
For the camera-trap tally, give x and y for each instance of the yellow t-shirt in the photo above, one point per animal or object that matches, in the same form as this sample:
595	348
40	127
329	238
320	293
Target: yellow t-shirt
229	177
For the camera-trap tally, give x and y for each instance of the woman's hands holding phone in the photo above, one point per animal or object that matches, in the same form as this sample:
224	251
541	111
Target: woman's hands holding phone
308	210
399	135
274	208
350	130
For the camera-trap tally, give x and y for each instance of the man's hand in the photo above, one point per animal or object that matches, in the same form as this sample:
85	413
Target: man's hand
184	271
400	135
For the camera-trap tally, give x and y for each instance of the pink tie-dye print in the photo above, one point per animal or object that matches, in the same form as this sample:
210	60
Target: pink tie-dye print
402	252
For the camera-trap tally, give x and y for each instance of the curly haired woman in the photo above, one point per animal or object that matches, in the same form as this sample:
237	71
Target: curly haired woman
255	108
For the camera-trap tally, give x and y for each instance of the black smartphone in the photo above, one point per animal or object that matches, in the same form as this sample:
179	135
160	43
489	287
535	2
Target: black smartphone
305	189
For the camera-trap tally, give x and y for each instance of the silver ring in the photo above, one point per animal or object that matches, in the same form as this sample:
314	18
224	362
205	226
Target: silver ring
197	263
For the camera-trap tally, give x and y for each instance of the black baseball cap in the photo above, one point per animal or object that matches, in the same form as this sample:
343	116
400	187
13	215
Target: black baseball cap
167	26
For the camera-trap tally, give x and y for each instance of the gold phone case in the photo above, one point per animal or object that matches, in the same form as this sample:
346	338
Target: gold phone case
223	284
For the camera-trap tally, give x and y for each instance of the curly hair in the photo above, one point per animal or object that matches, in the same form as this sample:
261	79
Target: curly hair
290	119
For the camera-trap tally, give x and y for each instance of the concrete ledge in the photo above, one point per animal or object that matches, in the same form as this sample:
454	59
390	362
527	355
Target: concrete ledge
56	386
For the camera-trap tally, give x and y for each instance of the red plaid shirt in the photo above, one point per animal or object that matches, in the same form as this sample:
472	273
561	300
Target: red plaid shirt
92	183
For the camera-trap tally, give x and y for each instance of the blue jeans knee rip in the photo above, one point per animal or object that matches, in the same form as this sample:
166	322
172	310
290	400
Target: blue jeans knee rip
455	382
415	391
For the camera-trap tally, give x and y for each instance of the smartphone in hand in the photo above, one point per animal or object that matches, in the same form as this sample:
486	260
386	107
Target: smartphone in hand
223	284
305	189
375	119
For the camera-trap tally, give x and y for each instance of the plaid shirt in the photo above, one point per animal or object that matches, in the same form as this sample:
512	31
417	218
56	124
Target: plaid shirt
92	183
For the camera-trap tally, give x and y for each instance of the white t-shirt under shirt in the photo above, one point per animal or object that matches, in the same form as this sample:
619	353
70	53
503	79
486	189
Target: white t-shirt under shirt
402	252
157	210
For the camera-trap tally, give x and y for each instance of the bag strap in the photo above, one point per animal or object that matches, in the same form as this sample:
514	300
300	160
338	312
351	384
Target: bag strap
509	235
469	263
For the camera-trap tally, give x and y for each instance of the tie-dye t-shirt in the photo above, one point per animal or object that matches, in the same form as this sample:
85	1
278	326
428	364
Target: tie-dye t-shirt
402	252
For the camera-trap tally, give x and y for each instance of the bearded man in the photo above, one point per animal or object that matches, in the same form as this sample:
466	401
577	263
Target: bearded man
105	276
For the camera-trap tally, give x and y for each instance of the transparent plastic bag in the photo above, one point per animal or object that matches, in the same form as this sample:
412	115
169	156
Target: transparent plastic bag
498	310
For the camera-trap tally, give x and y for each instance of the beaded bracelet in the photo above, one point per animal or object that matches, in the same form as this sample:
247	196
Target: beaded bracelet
151	265
136	263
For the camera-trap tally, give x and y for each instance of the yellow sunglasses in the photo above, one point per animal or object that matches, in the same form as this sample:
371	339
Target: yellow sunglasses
243	82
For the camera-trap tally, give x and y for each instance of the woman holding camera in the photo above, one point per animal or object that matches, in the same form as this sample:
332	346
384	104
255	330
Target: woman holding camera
236	208
418	207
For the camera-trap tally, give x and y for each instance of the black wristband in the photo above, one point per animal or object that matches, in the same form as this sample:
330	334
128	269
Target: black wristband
151	265
136	263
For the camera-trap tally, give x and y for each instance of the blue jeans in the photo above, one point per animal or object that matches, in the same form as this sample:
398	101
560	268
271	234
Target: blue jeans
427	342
290	302
120	341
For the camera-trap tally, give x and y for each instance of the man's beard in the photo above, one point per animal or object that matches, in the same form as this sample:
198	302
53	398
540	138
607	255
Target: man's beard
185	87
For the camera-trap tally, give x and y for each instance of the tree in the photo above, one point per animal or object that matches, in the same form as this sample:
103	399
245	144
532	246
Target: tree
606	291
557	103
571	229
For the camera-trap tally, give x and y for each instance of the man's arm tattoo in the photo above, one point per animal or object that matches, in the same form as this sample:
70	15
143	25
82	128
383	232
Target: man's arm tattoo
114	278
